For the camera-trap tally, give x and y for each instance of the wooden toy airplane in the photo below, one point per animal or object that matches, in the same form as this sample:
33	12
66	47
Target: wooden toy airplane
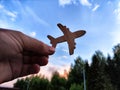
68	36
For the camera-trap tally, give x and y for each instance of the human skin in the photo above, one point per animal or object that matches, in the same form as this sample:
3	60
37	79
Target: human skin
21	55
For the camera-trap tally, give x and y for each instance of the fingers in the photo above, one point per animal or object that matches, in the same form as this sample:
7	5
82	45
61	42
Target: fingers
30	69
42	60
33	45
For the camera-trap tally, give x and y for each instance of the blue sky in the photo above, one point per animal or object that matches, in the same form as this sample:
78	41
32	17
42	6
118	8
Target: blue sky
38	18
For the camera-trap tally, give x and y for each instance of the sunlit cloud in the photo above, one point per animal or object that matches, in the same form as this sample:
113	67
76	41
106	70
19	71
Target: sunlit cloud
8	84
85	3
68	2
48	70
95	8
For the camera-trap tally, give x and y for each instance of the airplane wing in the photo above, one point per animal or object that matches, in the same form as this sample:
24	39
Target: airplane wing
79	33
64	29
69	37
71	45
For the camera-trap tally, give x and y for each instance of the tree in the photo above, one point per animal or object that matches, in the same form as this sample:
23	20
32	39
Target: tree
39	83
22	84
87	71
57	82
98	78
76	73
116	59
33	83
111	71
76	87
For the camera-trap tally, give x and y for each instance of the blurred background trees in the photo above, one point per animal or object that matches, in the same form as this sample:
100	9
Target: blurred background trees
103	73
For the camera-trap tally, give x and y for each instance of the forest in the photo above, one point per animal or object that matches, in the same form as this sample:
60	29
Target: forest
102	74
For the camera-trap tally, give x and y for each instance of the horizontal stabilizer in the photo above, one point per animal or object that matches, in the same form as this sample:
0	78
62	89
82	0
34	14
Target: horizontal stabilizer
52	41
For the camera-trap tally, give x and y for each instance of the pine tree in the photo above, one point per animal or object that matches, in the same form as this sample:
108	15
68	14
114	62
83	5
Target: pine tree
76	73
98	79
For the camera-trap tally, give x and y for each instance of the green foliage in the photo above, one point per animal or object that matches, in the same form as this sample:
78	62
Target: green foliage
22	84
76	87
115	73
76	73
38	83
98	79
34	83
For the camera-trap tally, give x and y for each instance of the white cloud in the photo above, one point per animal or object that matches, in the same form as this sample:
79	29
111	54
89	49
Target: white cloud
96	7
1	6
3	24
32	34
11	14
25	13
116	32
35	16
64	2
115	36
66	50
117	13
85	2
68	2
64	57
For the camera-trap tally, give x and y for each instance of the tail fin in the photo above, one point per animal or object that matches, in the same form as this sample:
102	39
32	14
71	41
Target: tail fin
52	41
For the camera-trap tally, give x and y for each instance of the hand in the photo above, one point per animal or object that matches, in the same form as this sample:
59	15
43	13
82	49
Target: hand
21	55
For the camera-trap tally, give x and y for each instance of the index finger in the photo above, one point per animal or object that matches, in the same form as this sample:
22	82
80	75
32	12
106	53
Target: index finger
36	46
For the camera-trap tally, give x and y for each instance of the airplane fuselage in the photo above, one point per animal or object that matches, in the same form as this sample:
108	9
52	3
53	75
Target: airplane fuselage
68	36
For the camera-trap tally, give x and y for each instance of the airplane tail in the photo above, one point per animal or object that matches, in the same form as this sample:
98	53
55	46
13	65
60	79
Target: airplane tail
52	41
